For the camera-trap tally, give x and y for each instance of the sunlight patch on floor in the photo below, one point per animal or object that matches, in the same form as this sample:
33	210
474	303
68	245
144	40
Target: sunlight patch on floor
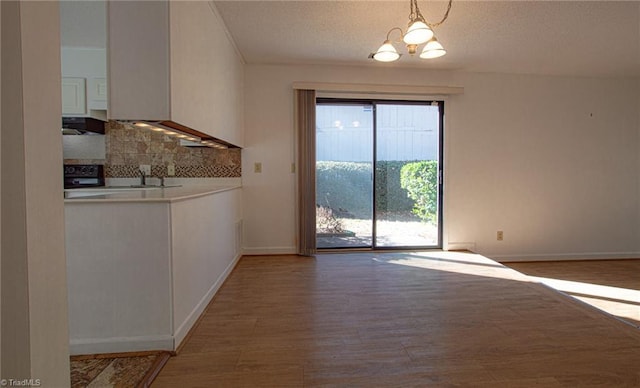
458	262
618	301
624	301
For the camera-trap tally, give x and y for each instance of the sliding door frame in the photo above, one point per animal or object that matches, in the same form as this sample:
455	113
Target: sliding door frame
374	103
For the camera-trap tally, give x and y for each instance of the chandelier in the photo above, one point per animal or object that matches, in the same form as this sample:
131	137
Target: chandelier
419	31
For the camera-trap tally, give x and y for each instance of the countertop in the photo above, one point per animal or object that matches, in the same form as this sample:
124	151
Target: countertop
147	194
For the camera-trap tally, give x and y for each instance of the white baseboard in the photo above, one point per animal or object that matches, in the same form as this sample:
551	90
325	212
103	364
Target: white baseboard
564	256
269	251
183	329
120	344
460	246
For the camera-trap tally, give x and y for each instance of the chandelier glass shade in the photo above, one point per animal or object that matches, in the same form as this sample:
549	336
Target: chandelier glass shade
433	49
419	31
386	52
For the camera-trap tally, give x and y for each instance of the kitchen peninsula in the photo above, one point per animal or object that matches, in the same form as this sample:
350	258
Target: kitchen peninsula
143	264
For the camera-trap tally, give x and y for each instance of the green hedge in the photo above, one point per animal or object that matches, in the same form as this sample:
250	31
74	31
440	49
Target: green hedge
391	196
345	187
420	179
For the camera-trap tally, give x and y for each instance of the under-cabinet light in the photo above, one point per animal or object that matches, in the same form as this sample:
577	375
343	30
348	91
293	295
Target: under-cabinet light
166	130
158	127
213	144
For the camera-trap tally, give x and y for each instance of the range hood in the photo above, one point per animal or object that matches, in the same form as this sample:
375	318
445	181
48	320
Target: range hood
82	126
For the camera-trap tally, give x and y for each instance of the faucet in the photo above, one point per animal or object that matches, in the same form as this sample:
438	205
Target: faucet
161	180
143	178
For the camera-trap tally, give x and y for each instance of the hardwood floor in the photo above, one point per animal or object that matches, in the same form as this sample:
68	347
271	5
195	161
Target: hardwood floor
399	320
610	285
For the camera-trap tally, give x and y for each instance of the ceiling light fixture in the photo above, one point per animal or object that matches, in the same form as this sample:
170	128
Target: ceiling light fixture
419	31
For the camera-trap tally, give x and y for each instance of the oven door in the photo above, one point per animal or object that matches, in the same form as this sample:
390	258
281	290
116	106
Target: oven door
83	175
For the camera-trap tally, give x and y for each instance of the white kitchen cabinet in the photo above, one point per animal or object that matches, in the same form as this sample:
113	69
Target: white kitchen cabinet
142	269
74	96
84	72
97	93
80	98
173	61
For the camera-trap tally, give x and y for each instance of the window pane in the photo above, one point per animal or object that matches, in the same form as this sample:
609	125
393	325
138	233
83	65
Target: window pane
344	175
407	155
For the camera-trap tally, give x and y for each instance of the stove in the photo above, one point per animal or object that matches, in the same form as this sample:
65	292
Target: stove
83	175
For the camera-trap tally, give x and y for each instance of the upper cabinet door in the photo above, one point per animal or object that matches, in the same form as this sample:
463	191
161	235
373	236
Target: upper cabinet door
74	94
173	61
206	72
138	58
97	92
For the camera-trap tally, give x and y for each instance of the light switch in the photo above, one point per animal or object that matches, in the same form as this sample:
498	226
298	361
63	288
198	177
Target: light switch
257	167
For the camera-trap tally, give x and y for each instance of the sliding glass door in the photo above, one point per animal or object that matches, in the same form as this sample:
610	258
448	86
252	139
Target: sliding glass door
407	175
378	169
344	175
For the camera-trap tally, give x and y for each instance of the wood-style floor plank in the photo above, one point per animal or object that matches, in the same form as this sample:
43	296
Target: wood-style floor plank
610	285
399	320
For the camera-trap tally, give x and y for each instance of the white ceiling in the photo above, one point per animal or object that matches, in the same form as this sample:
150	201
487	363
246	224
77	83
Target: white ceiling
585	38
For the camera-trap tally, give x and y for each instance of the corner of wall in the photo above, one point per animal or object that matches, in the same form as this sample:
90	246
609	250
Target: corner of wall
35	342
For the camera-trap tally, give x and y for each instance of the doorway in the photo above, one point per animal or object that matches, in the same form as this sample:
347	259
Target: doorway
378	174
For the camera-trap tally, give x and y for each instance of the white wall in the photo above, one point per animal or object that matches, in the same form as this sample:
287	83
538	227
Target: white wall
269	197
551	161
84	62
83	24
35	342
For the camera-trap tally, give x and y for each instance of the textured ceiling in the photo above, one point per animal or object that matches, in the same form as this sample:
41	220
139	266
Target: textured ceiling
584	38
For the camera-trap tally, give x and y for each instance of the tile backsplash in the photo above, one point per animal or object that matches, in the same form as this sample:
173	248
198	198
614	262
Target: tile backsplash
127	147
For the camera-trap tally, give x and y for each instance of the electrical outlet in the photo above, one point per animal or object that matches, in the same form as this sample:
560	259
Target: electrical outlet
171	170
257	167
499	235
145	169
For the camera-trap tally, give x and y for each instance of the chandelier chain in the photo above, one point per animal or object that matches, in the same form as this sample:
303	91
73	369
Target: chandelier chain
415	12
417	15
446	15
